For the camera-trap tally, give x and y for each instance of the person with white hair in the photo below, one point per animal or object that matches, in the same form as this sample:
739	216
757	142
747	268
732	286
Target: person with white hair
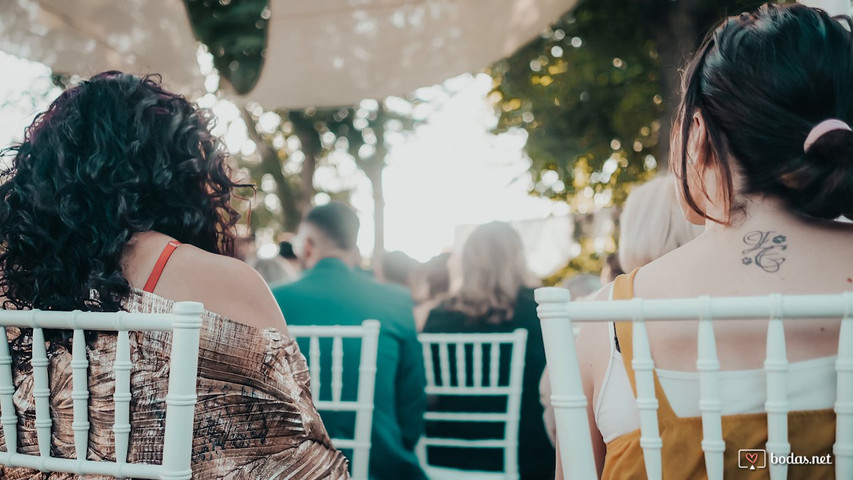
651	224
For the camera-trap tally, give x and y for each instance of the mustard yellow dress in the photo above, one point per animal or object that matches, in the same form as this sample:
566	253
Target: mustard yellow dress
810	432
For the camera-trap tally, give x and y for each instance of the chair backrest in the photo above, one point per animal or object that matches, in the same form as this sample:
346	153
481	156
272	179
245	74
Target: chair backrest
557	315
485	379
184	321
368	334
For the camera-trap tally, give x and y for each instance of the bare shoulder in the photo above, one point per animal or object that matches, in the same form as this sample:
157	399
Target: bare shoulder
603	294
223	284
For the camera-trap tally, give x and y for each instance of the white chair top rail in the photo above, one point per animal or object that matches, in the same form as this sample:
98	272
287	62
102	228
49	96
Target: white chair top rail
469	338
555	302
103	321
329	331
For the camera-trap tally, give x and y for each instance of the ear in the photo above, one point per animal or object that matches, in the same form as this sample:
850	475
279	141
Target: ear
308	247
698	143
698	156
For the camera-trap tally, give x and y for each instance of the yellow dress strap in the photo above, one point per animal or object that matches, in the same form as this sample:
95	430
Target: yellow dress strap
623	289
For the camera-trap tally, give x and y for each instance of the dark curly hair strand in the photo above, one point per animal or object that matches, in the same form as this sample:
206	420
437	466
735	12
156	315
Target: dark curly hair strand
112	156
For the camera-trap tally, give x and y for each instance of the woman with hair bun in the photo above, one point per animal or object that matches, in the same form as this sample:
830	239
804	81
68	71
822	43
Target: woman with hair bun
119	199
763	156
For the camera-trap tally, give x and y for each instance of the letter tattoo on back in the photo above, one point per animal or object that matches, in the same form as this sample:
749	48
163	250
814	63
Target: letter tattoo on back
764	250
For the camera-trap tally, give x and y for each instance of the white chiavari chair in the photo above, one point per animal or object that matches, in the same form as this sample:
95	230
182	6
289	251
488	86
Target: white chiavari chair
557	315
184	322
362	406
453	380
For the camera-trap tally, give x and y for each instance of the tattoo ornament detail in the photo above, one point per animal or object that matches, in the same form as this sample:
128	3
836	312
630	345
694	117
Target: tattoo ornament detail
764	250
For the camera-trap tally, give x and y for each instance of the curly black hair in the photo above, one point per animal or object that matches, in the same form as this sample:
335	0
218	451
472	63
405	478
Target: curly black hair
112	156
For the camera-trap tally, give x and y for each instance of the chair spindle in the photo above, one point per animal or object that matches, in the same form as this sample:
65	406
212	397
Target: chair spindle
80	394
710	403
41	392
776	406
647	402
8	418
461	366
314	366
337	368
121	425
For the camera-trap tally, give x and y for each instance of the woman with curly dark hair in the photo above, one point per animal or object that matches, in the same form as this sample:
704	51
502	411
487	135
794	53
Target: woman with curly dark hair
119	199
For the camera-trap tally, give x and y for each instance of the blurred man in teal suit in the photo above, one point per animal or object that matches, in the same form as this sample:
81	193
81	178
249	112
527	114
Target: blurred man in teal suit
332	293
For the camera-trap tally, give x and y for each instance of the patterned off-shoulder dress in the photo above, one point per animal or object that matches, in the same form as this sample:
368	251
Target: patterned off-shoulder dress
254	418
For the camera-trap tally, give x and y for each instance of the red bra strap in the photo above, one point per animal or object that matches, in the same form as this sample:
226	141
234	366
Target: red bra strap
160	265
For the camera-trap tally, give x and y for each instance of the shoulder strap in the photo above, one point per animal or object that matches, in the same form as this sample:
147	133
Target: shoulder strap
160	265
623	289
623	286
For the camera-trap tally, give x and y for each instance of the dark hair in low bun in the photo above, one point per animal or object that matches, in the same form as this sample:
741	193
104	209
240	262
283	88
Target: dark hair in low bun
762	81
112	156
821	184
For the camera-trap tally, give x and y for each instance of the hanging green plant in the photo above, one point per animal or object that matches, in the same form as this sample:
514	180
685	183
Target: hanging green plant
235	32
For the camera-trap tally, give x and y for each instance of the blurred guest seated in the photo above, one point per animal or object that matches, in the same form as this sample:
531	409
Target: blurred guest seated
431	286
287	257
611	269
282	268
270	269
331	293
651	224
119	199
763	153
582	285
495	296
245	248
399	268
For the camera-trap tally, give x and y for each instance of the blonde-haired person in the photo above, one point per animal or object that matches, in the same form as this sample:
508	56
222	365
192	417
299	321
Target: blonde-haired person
651	224
764	161
495	295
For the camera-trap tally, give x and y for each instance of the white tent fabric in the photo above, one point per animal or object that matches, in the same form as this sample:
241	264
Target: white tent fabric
85	37
335	52
319	52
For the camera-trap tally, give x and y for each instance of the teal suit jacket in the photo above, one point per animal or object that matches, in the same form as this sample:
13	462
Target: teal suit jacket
333	294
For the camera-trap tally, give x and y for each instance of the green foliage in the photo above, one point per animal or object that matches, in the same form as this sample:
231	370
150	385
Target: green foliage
284	168
586	92
596	94
235	32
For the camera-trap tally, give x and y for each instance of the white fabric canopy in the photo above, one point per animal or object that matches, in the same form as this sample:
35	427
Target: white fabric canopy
336	52
319	52
85	37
